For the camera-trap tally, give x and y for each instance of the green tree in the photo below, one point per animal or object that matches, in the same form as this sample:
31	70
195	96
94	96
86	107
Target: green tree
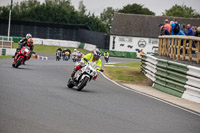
82	8
136	9
181	11
56	11
107	15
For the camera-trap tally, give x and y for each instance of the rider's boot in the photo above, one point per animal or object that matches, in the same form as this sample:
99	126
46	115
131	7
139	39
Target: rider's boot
73	73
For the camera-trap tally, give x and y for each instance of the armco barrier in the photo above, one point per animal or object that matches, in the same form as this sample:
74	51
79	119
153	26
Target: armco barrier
171	77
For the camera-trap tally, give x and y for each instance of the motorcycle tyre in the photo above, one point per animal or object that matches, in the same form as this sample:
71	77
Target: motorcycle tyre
19	61
70	84
83	84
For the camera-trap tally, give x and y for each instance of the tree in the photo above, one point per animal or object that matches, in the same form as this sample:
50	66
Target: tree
181	11
107	15
136	9
82	8
56	11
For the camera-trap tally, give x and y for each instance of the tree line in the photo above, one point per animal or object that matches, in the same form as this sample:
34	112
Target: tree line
62	11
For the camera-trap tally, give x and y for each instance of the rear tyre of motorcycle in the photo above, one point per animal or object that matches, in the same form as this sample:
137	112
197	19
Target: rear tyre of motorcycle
19	61
82	84
70	84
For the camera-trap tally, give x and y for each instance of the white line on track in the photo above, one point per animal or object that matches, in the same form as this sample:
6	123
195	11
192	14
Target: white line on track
174	105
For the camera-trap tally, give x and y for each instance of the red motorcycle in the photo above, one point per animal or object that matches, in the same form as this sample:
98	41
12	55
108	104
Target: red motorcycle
23	55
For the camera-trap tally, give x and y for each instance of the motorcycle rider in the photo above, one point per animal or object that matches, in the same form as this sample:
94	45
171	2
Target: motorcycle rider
25	42
106	56
90	57
58	53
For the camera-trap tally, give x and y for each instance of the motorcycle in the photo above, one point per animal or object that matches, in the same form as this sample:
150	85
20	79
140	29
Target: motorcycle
79	56
83	76
58	55
74	57
23	55
106	58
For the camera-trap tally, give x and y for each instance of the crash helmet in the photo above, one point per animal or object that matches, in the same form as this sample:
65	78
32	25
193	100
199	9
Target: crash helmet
28	36
75	50
97	54
30	42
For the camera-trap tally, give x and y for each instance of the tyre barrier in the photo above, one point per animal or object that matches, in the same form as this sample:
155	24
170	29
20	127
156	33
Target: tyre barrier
173	78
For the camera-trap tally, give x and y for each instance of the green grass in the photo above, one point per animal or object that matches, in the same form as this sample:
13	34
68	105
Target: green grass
131	73
51	49
6	57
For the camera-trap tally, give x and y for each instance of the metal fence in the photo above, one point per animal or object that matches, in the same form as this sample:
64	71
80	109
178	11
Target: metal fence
81	33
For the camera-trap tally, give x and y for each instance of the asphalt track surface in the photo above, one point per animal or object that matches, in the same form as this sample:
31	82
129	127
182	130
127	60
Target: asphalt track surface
34	99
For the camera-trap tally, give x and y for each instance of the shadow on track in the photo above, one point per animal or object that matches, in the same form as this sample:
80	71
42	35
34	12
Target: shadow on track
83	91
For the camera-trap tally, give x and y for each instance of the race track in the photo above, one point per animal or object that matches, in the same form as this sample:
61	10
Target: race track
34	99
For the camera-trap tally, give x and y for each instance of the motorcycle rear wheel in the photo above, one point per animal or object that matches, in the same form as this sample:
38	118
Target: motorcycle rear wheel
82	84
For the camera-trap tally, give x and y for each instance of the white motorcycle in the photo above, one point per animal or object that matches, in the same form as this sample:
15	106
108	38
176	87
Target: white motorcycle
74	57
83	76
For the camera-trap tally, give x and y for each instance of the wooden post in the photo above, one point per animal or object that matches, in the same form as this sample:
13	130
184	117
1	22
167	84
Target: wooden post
184	48
178	50
175	47
160	46
198	52
168	46
164	47
190	50
172	43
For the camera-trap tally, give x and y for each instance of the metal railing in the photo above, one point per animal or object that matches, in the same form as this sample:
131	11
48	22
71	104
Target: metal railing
180	47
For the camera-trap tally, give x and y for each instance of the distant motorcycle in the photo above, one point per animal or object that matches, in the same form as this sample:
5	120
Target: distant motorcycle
58	55
83	76
74	57
106	58
23	55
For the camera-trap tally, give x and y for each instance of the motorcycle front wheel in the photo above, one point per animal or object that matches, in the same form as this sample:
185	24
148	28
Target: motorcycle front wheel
18	62
82	84
70	84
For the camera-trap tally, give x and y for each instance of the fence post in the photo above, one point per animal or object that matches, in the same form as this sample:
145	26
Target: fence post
184	48
198	52
190	50
172	45
178	50
175	47
160	46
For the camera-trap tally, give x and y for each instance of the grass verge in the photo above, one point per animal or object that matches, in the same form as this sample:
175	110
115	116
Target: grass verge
127	73
50	49
6	57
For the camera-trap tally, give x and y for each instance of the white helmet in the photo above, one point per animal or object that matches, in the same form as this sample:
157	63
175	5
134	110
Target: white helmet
28	36
75	50
97	54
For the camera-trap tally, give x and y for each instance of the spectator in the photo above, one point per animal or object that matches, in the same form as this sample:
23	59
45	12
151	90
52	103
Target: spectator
183	28
182	32
198	32
167	25
171	22
190	30
175	27
163	30
141	52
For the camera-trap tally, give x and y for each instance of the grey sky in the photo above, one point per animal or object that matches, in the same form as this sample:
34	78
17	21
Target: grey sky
157	6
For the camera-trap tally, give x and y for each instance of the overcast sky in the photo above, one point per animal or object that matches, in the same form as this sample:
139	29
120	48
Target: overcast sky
97	6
